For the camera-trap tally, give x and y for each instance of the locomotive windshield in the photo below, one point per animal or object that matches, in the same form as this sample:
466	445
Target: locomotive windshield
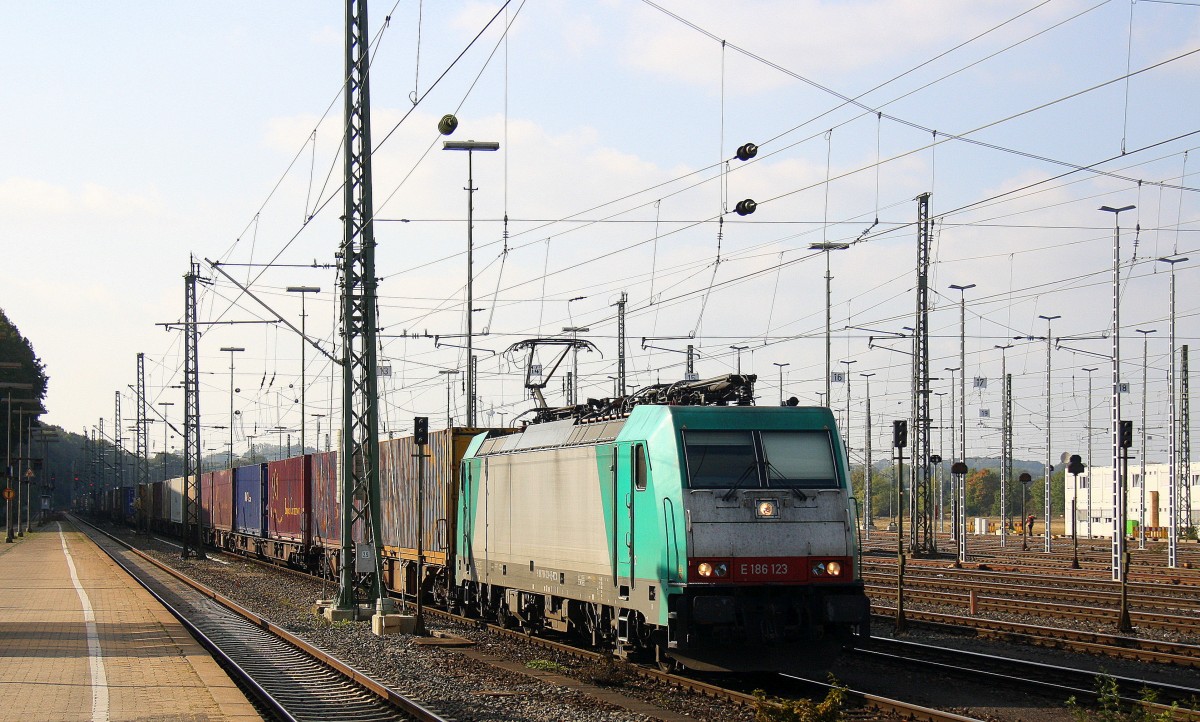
760	459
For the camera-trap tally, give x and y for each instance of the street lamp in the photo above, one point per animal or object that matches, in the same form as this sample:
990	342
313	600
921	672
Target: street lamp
448	373
1049	461
1118	534
1184	494
1091	480
828	246
781	380
232	350
954	530
166	428
470	146
303	291
848	407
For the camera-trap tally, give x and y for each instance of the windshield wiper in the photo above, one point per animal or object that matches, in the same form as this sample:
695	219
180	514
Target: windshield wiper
771	469
738	484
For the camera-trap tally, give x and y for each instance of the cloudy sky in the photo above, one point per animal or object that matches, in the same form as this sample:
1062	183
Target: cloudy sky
138	134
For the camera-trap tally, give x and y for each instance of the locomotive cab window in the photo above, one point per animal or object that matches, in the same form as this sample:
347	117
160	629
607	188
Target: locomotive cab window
639	466
721	459
801	459
758	459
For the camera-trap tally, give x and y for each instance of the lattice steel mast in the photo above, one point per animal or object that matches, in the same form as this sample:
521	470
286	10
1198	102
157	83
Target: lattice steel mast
1185	440
143	422
192	535
922	539
359	570
118	446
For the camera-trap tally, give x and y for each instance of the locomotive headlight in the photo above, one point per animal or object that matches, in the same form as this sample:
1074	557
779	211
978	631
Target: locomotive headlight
834	568
767	509
818	569
704	569
722	569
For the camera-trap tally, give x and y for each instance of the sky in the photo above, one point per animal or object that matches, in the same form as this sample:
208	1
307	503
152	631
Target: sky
139	135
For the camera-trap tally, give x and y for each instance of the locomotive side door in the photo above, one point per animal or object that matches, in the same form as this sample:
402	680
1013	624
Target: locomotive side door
623	520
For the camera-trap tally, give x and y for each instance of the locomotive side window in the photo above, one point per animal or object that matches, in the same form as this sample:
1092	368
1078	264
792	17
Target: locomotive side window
639	467
721	459
799	459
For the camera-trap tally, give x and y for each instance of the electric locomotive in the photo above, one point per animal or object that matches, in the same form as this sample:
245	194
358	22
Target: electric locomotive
717	536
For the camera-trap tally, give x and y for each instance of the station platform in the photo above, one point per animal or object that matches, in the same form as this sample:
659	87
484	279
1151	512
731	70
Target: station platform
81	640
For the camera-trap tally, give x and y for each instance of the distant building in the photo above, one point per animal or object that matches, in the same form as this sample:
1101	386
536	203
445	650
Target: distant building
1097	520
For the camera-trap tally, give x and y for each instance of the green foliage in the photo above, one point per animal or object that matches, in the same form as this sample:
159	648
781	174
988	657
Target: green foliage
1111	710
16	349
830	709
545	665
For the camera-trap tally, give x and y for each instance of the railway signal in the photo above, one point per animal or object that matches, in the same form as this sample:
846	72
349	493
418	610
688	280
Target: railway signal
1075	466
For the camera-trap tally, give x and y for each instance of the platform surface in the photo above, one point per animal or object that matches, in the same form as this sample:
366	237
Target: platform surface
81	640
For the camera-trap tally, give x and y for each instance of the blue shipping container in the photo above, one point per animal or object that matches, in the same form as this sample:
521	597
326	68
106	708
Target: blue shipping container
250	500
128	494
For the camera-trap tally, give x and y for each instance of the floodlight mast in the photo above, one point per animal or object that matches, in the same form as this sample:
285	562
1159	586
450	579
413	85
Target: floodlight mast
1118	480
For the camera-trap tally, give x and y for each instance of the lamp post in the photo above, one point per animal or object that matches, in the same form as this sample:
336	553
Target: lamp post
166	429
232	350
449	374
826	247
954	530
1091	481
781	365
962	364
739	350
470	146
303	291
318	417
1118	534
1173	495
1049	461
1025	480
1142	456
847	429
867	511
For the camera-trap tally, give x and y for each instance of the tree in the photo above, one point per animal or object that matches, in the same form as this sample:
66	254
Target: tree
20	365
983	492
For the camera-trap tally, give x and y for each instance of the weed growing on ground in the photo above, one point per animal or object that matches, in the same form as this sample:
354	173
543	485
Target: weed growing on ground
1111	710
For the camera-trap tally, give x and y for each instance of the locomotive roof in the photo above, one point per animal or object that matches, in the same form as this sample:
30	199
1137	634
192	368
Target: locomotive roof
570	432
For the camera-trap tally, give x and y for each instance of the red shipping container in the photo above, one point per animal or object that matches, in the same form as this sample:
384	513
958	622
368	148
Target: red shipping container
326	518
288	504
206	499
222	500
156	507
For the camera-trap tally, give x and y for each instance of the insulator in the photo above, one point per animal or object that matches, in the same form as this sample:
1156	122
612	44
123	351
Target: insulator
746	207
447	124
747	151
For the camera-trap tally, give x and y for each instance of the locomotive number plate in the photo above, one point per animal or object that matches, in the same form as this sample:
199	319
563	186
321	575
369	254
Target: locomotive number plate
769	569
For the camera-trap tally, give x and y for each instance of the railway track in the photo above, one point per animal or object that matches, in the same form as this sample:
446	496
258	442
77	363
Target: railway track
1008	605
1142	650
1054	680
291	679
867	704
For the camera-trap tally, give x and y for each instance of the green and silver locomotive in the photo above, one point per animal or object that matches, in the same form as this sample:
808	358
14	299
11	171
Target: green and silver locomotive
707	534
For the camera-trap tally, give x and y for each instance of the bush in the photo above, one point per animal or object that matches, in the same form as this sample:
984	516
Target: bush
830	709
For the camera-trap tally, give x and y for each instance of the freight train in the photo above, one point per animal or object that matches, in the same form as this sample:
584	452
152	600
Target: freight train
699	533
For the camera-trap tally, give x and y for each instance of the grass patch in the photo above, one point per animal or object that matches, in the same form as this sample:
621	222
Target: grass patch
545	665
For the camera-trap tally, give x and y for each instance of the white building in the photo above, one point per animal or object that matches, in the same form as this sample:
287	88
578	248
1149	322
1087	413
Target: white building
1097	519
